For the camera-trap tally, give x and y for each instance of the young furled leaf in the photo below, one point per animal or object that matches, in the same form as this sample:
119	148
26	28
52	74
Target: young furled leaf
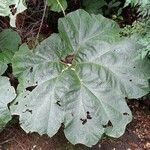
86	95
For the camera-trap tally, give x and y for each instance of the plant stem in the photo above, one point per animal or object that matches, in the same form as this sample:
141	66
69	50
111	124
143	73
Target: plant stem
61	7
41	24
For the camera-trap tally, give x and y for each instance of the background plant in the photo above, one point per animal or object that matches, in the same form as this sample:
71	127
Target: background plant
143	5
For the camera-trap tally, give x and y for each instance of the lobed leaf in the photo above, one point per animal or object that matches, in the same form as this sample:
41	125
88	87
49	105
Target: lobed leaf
79	78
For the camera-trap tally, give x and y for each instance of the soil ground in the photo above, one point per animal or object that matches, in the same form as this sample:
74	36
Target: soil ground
136	137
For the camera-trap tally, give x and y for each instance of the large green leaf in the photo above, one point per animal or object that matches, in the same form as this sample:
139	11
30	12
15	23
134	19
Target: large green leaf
11	8
86	94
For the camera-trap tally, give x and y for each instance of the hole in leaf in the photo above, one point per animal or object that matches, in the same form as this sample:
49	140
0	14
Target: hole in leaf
12	6
109	124
13	10
31	69
31	88
58	103
88	115
130	80
126	114
84	121
16	103
28	110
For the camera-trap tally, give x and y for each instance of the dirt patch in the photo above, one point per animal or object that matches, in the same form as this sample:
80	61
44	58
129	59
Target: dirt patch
136	137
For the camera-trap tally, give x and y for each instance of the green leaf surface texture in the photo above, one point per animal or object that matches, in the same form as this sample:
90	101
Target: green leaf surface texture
79	78
7	94
94	6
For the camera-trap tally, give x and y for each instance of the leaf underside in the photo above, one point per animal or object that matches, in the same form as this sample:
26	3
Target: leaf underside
79	77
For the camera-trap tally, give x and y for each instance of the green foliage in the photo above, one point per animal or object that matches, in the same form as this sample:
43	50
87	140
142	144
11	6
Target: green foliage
107	7
137	2
145	41
144	6
142	30
80	77
94	6
110	8
11	8
136	28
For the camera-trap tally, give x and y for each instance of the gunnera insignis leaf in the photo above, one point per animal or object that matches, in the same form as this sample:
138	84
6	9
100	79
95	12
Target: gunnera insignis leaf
80	78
